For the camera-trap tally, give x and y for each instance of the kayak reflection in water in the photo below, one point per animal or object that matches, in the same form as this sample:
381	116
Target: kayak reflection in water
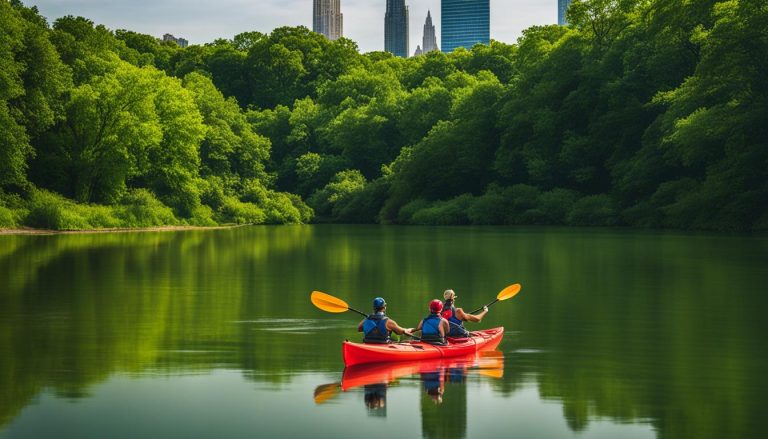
434	385
376	399
434	381
434	373
456	316
377	328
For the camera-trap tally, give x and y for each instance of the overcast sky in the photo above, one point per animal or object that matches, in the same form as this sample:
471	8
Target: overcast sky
204	21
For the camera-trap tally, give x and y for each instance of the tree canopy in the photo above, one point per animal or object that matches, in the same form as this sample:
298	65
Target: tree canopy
640	113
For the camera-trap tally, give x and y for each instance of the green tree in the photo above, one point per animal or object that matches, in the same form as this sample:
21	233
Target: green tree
33	81
230	149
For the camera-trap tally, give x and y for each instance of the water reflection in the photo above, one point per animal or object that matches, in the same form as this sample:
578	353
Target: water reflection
376	399
434	375
623	327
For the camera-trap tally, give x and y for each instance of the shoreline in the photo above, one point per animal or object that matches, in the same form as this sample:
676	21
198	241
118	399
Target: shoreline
31	231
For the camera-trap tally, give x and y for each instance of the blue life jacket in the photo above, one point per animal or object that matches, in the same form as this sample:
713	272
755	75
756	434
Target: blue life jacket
375	329
430	329
457	329
431	381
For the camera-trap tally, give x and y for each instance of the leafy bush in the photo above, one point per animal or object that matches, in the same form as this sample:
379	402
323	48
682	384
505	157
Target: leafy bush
521	198
46	210
140	208
305	212
202	216
184	198
342	187
238	212
489	209
7	218
363	206
280	210
94	217
594	210
212	192
12	210
444	213
406	212
662	208
279	207
51	211
555	206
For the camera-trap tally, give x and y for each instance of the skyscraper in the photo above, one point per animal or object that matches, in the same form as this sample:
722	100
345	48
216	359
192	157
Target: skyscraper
465	23
429	42
327	18
562	7
396	28
180	41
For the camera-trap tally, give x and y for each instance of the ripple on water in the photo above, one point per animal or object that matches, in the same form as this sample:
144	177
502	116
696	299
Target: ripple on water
294	326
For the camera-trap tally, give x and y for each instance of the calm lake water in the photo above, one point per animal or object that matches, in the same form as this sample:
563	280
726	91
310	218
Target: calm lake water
630	334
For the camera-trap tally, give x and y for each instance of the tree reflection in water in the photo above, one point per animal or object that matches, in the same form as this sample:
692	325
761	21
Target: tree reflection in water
440	416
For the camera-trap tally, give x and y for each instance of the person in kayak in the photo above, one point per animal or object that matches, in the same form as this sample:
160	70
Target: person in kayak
456	316
378	328
433	327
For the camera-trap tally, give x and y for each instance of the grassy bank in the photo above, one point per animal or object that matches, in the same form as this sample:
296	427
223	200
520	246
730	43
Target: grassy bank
138	209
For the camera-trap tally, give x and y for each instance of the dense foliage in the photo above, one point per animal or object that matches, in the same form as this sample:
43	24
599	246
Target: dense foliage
643	113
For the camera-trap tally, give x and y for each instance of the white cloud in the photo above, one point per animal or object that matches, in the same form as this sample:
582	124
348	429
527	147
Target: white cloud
204	21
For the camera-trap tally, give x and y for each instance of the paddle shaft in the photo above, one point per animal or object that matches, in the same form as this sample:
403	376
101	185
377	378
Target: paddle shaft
481	308
359	312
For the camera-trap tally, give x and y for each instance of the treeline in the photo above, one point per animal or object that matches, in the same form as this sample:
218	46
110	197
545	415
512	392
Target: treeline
94	134
640	113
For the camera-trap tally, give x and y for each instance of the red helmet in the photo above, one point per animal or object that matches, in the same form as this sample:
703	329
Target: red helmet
435	306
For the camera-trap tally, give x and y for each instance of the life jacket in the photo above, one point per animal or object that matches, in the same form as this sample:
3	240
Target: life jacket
432	381
430	329
375	329
457	329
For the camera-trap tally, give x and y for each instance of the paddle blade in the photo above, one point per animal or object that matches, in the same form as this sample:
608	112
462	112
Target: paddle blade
509	292
492	373
325	392
328	303
490	360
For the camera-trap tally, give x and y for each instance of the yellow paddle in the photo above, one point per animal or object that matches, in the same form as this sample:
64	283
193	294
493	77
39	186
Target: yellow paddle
507	293
328	303
324	392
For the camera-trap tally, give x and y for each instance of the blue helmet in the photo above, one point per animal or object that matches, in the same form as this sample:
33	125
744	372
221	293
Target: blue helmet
379	303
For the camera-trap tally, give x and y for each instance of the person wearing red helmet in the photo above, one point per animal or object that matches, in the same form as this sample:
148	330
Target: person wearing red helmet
434	327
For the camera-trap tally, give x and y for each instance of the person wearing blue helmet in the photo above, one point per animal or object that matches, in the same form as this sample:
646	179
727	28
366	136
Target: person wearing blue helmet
377	327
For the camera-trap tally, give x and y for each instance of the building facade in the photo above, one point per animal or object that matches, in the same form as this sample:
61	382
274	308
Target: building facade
396	28
562	7
180	41
465	23
327	18
429	41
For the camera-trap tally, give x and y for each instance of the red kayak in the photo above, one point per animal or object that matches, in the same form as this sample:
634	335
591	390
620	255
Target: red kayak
486	363
360	353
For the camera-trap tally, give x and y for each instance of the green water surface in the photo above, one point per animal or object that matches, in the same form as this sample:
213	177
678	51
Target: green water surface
616	334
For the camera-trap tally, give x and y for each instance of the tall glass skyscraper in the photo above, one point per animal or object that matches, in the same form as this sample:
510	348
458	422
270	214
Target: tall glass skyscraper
465	23
396	28
562	7
327	18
